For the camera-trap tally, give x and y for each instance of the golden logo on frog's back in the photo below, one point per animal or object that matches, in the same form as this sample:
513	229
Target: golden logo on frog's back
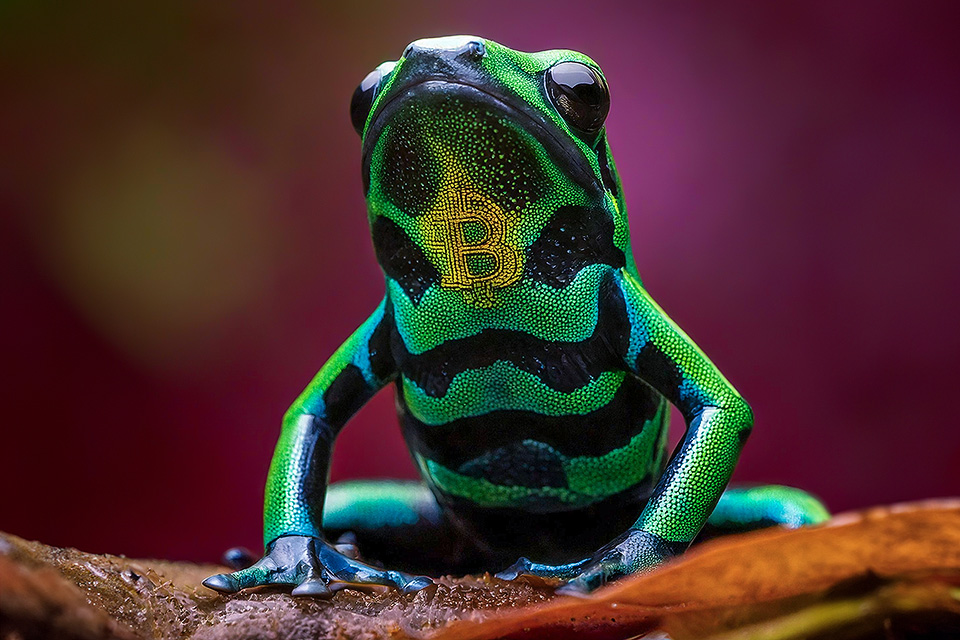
472	240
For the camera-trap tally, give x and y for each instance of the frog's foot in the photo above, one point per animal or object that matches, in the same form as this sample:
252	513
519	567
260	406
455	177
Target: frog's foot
632	552
313	567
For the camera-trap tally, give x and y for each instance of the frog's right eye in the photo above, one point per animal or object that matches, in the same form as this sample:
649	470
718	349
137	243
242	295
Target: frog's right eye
580	95
362	99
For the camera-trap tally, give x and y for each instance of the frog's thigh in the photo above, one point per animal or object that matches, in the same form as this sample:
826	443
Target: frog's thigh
371	504
745	508
398	523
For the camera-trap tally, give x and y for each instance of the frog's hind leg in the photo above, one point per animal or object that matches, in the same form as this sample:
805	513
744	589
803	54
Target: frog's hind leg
397	523
747	508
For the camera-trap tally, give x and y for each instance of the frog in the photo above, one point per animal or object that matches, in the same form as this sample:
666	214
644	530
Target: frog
533	372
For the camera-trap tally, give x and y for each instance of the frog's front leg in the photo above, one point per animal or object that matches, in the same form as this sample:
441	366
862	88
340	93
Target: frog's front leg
296	552
718	422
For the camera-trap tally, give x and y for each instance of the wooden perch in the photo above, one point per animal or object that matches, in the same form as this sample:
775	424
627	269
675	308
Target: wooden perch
883	573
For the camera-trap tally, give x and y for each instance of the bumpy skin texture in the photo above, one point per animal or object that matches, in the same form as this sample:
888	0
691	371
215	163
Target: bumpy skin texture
533	371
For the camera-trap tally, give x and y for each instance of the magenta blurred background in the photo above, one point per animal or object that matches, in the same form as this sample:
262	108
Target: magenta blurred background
184	239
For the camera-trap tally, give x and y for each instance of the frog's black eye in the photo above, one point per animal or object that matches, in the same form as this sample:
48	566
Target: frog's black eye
580	95
362	99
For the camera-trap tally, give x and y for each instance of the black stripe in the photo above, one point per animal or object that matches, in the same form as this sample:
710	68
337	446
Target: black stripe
345	395
659	370
563	366
594	434
574	238
382	363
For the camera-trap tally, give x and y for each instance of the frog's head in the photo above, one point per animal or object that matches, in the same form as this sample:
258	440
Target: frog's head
472	150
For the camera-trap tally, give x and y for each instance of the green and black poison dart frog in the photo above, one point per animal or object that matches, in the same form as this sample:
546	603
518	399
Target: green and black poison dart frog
533	371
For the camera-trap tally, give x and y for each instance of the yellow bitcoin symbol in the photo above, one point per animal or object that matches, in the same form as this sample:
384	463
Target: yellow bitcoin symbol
471	232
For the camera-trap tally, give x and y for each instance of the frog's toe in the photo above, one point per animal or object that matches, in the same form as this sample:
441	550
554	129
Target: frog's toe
518	568
526	567
346	544
256	576
312	587
238	558
574	588
366	576
222	582
347	537
414	584
585	583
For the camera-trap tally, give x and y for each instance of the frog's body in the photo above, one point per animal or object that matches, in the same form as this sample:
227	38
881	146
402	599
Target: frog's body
533	371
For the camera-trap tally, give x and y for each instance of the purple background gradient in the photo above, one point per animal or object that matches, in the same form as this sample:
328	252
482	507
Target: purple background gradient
183	239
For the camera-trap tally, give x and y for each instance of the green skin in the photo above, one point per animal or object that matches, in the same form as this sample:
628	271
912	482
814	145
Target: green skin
533	370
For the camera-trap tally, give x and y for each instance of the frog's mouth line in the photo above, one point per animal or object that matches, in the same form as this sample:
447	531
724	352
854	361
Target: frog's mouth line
567	155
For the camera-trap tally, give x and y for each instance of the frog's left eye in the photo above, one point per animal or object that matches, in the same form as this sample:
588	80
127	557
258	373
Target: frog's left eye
362	100
580	95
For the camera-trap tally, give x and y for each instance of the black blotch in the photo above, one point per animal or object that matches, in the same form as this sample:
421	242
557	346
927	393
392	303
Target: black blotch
345	395
500	159
606	173
575	237
401	258
519	464
658	370
410	177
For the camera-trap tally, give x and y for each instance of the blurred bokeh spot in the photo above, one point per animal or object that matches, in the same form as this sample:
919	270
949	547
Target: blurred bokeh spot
159	238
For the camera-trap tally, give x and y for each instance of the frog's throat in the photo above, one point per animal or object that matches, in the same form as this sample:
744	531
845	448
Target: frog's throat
565	154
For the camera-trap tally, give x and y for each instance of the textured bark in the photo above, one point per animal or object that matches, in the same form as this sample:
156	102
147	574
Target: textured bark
884	573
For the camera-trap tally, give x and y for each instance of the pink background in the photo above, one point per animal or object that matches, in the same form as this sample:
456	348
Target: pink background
183	239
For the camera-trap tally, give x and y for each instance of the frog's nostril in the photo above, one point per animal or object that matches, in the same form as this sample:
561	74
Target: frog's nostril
408	50
475	49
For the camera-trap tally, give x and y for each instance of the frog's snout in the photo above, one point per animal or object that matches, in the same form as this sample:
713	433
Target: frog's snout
469	47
